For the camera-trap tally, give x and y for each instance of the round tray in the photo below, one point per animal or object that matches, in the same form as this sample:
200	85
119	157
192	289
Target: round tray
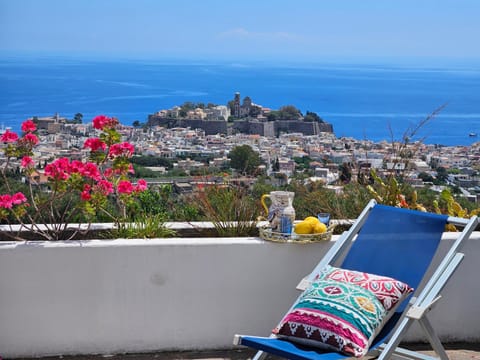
266	233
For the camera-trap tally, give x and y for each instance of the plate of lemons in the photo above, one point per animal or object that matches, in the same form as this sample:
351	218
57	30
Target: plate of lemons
307	230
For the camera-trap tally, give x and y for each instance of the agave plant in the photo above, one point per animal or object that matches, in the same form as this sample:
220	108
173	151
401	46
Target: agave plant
230	209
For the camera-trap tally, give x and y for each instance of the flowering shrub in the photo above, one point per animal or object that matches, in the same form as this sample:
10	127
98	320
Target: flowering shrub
74	187
389	192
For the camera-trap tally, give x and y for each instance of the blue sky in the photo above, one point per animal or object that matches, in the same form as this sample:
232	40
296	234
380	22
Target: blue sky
307	30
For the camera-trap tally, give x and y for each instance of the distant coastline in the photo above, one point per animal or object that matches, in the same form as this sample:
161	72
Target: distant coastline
363	101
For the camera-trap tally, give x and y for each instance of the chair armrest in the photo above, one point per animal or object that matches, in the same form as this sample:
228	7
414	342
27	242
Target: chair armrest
417	312
304	284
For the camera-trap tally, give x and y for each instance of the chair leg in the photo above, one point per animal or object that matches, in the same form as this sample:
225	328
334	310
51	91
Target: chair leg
260	355
391	346
403	354
433	338
395	339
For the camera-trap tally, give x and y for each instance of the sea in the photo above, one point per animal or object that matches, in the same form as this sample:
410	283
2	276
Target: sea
372	101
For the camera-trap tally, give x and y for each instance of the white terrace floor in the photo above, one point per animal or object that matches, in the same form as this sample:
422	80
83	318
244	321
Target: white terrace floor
457	351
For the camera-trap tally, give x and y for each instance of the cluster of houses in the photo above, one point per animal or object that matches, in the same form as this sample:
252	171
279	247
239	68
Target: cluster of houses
247	118
186	147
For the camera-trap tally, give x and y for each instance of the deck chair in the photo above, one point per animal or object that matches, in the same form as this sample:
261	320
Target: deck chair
394	242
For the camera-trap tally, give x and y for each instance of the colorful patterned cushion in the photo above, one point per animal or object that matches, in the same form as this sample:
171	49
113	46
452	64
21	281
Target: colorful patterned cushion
389	291
342	311
335	316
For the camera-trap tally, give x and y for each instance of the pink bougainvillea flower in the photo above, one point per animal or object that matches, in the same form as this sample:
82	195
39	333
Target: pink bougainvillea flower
128	148
9	136
6	201
59	169
102	122
131	170
30	138
99	121
105	187
108	172
76	166
125	187
91	171
94	144
18	198
27	162
115	150
141	185
28	126
85	194
123	149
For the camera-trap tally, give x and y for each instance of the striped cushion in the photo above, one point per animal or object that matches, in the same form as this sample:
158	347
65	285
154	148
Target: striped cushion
339	312
389	291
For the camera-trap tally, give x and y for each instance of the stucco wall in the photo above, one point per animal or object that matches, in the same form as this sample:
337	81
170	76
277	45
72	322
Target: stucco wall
113	296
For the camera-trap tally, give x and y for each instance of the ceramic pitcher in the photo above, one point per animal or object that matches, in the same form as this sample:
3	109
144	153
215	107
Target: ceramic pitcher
281	206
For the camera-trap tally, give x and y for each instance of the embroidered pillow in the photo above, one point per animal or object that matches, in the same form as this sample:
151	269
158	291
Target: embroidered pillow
343	310
335	316
389	291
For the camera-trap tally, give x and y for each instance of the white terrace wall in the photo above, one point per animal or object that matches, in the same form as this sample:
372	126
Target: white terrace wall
117	296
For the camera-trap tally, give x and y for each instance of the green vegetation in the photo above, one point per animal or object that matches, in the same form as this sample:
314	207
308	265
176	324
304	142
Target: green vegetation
244	159
223	204
227	202
77	119
143	226
152	161
313	198
303	163
288	112
231	210
312	117
189	105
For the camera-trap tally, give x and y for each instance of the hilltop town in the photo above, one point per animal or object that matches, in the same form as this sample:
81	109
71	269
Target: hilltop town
193	149
240	117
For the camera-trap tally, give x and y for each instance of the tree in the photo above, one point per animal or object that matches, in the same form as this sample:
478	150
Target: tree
244	159
188	105
425	177
345	171
289	112
273	115
78	118
303	163
136	124
442	174
151	161
312	117
276	165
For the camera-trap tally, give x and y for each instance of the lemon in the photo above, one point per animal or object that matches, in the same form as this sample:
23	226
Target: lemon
319	228
312	220
303	227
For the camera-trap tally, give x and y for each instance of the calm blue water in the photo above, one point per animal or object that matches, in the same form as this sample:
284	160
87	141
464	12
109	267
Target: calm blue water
361	101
